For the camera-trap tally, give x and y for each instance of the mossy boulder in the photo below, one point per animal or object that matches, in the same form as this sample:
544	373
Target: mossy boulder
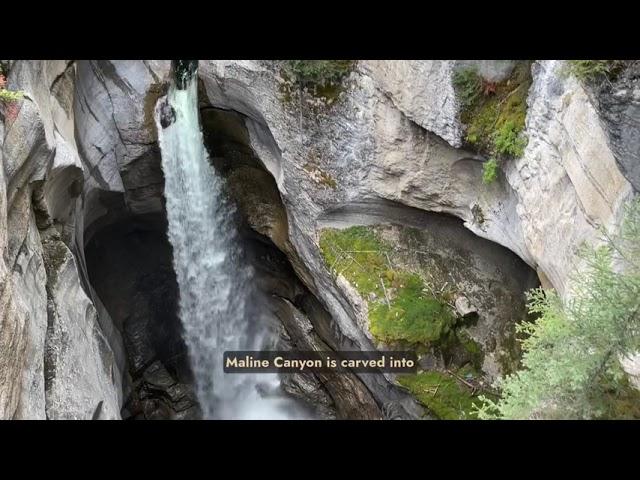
400	309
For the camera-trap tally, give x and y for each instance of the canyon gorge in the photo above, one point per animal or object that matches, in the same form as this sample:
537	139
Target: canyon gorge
348	213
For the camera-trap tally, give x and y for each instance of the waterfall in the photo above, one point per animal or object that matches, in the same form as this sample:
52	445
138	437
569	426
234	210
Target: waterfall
215	284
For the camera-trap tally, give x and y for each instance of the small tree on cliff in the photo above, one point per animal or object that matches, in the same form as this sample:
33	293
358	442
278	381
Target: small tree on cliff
572	355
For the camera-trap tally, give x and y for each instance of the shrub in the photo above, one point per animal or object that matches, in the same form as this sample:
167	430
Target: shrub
508	140
571	360
592	70
489	171
468	85
9	95
318	72
323	79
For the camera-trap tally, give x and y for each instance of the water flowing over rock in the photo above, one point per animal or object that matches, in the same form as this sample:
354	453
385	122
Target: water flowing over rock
214	282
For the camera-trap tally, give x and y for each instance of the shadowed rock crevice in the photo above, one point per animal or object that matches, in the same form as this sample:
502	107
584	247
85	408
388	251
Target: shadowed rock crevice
618	104
130	267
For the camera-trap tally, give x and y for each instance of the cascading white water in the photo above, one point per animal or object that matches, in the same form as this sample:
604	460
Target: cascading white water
214	282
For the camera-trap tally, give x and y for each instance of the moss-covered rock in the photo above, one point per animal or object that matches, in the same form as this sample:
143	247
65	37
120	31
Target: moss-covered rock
410	279
316	83
400	309
494	113
320	176
444	394
413	316
594	70
318	73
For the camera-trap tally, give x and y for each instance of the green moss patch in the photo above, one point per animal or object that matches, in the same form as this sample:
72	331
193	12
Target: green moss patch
399	308
474	352
412	316
318	73
322	79
444	394
494	113
594	70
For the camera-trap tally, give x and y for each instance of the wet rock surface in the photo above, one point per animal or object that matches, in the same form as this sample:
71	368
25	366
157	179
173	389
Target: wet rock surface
167	115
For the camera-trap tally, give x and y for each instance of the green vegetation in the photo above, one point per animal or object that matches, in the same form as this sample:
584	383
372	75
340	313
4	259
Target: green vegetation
322	78
489	170
399	308
468	86
571	361
8	95
8	99
593	70
405	311
507	140
444	394
494	112
412	316
318	72
358	254
472	348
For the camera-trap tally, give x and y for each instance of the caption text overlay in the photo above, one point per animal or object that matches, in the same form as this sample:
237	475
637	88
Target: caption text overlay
319	361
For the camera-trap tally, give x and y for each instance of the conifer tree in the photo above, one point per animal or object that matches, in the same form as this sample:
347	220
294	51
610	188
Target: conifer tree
572	353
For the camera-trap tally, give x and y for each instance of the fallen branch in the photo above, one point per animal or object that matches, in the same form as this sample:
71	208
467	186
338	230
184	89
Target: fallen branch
386	297
388	260
470	385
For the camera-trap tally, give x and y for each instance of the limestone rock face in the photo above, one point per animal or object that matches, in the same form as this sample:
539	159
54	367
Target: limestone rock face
80	368
422	91
547	203
116	138
464	307
568	182
66	356
490	70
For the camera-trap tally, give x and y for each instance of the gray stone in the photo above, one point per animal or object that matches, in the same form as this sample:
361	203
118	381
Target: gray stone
464	306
